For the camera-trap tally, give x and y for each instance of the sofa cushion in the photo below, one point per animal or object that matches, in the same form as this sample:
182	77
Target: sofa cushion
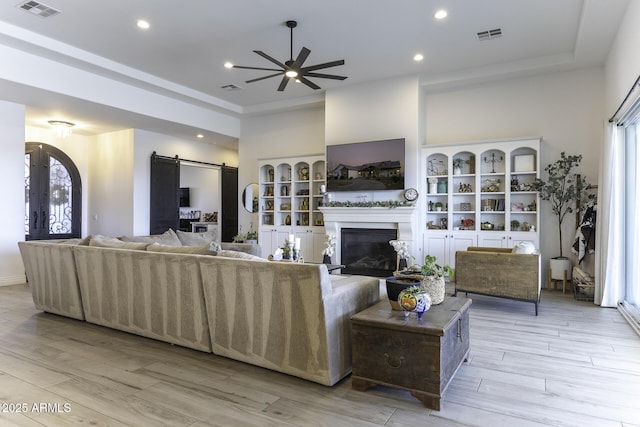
112	242
199	250
197	239
239	255
250	248
169	237
524	248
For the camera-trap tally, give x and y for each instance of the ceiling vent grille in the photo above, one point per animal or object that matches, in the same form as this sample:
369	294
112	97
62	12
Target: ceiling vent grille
39	9
230	87
489	34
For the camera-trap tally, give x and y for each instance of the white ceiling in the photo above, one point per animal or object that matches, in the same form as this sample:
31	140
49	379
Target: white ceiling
190	40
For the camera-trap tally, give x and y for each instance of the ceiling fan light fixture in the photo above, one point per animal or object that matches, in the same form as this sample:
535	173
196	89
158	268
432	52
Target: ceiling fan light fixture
291	74
61	128
228	65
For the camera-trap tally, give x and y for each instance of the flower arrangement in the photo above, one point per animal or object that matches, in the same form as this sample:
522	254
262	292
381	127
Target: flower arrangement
329	245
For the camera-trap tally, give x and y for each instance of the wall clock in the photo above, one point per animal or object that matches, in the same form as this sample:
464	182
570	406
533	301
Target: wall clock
410	194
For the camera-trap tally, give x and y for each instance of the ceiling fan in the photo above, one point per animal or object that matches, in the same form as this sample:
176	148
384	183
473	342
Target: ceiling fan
293	69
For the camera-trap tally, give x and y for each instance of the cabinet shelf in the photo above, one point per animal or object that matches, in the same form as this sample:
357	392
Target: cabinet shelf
484	166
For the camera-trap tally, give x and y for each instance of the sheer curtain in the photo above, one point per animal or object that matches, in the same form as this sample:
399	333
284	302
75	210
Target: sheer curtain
610	225
632	139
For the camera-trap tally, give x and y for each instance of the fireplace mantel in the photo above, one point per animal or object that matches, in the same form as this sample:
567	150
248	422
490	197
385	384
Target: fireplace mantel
402	219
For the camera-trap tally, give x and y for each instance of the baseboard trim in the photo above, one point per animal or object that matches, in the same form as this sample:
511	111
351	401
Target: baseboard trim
12	280
631	315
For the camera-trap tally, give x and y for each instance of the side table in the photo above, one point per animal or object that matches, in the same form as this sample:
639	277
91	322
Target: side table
419	355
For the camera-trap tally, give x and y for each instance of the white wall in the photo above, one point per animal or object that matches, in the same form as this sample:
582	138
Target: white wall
292	133
374	111
204	183
12	213
623	63
566	109
111	184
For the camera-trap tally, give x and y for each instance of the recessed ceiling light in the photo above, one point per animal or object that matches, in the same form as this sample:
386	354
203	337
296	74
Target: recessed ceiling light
418	57
200	136
143	24
441	14
228	65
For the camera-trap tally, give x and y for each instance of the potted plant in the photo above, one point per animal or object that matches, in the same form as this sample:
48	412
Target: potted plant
251	236
433	278
404	277
561	190
438	206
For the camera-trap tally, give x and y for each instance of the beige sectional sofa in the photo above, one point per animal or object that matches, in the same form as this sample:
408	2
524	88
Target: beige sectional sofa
292	318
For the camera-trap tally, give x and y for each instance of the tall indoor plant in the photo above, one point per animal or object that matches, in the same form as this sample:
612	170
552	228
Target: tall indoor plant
561	189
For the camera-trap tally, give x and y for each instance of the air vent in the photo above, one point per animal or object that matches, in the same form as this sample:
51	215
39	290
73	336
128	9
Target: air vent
489	34
39	9
230	87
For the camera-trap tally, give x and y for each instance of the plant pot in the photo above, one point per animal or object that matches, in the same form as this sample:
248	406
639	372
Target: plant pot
251	241
435	287
395	285
558	266
418	300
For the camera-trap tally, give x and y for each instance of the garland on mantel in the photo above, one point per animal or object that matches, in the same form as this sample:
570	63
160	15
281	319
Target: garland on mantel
381	204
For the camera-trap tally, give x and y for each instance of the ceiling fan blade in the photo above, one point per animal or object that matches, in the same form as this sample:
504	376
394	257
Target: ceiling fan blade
255	68
275	61
325	76
265	77
302	56
309	83
283	83
325	65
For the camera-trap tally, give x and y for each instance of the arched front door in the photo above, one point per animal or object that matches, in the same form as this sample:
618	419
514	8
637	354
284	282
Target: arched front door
53	202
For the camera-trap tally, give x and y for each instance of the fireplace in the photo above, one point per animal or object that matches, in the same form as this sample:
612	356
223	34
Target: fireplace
367	251
397	223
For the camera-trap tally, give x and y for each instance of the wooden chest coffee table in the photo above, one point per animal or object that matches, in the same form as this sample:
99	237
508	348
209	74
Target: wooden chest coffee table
421	356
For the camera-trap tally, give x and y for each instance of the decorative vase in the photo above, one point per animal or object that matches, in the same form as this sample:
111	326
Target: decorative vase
435	287
433	188
457	170
414	299
442	186
395	285
326	259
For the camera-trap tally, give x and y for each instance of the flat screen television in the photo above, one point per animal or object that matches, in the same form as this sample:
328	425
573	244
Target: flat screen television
366	166
185	194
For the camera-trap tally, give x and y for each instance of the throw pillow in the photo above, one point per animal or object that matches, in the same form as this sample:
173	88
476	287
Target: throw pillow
112	242
169	237
199	250
239	255
524	248
197	239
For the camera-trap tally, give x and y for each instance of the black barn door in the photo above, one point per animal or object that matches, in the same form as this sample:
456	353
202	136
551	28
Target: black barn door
165	197
229	203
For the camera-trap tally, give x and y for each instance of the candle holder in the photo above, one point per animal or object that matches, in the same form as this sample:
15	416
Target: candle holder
493	161
291	251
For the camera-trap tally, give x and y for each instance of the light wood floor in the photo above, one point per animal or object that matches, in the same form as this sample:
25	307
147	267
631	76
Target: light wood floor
573	365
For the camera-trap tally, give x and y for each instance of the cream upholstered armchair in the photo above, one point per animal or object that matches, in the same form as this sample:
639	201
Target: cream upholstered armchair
499	272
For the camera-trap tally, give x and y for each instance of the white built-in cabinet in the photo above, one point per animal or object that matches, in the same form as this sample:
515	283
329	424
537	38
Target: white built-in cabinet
289	198
478	194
